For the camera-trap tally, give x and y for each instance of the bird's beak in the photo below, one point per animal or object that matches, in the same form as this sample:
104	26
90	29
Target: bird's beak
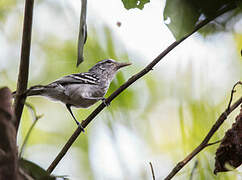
120	65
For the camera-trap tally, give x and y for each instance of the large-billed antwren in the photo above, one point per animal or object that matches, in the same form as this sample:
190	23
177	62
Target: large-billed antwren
80	90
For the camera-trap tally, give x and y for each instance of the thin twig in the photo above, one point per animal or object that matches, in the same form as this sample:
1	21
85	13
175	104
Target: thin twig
152	171
82	32
232	93
216	142
24	62
205	141
36	118
131	80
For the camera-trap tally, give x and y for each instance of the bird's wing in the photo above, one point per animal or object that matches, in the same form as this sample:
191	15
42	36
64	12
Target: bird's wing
81	78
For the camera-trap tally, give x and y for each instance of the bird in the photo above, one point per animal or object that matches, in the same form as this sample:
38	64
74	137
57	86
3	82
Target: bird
80	90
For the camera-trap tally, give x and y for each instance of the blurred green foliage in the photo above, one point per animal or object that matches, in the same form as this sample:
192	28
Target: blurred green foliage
34	170
195	116
238	42
138	108
184	15
5	8
59	61
130	4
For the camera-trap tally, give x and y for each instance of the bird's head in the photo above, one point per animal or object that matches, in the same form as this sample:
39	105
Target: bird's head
107	68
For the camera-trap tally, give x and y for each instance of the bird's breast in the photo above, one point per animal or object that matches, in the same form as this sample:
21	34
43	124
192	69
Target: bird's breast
84	96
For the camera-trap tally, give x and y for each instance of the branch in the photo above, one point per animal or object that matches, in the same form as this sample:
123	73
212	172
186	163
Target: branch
152	171
35	118
131	80
232	93
24	62
205	141
210	144
8	148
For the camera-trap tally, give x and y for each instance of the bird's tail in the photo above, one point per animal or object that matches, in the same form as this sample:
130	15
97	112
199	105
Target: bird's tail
33	91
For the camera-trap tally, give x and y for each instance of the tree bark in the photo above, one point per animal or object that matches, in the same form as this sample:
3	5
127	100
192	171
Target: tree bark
8	148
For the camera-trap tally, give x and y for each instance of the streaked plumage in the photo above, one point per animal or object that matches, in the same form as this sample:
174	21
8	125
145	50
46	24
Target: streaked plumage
80	90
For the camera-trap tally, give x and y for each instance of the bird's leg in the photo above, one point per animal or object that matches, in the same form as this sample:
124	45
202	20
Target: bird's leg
103	99
68	106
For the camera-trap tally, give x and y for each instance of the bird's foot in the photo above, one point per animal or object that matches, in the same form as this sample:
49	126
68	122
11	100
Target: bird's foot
80	126
104	100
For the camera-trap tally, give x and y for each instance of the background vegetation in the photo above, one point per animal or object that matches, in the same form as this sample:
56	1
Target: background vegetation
161	118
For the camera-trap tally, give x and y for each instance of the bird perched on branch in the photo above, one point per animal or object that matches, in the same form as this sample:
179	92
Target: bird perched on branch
80	90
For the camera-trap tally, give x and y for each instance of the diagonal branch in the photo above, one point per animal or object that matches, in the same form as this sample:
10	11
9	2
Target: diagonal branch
24	62
205	141
131	80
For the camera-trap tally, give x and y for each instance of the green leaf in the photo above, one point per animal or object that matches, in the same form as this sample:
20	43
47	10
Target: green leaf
35	171
239	4
182	17
130	4
5	8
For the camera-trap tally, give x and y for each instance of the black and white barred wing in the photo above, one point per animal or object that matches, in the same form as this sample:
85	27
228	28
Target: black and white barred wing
82	78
